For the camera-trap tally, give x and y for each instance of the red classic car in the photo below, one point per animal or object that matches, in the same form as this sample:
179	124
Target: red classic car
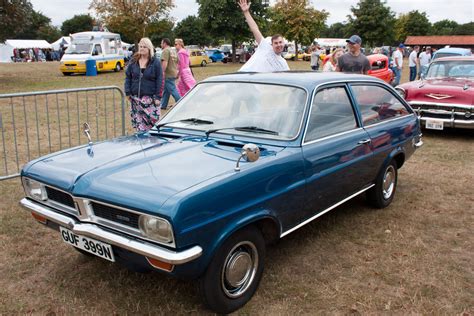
379	67
445	96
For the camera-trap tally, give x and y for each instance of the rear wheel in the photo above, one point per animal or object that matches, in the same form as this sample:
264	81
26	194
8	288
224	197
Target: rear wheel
203	63
381	195
235	271
118	67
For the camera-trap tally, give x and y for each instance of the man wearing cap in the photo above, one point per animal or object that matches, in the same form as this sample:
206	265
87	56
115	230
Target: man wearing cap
397	57
353	61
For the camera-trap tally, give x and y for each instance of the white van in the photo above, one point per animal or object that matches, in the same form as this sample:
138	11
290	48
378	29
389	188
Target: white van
104	47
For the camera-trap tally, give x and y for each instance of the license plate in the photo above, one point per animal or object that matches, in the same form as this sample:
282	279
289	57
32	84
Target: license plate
69	68
434	124
90	245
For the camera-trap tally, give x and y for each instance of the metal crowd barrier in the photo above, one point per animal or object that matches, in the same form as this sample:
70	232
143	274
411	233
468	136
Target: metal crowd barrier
33	124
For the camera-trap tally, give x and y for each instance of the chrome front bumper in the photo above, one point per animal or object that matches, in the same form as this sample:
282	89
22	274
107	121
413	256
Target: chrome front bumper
452	115
134	245
450	122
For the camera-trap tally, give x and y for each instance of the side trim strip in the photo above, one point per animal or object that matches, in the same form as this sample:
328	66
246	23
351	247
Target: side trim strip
324	212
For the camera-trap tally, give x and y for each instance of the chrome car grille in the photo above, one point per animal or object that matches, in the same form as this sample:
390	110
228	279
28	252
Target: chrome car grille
444	111
60	197
115	215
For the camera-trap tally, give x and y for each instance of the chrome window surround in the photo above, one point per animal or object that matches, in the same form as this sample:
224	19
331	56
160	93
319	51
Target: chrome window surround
344	83
85	213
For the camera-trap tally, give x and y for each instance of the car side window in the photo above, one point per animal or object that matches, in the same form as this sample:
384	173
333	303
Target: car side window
97	50
331	113
377	104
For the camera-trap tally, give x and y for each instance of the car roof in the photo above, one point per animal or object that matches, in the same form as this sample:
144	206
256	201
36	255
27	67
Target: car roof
454	50
306	79
458	58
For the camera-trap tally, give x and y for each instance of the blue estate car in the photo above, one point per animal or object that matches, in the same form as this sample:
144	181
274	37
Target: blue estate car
242	160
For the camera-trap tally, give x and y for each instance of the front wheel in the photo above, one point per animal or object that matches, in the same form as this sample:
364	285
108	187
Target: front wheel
234	272
381	195
118	67
203	63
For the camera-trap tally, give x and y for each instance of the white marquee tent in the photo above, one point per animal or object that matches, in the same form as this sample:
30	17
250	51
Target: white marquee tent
331	42
65	40
6	49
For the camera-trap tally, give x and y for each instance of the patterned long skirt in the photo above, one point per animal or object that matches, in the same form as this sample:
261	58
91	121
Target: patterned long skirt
144	113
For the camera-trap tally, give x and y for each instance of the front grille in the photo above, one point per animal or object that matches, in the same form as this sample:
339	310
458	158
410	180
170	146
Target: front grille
60	197
71	65
115	215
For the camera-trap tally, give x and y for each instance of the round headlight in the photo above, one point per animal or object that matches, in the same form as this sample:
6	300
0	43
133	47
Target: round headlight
156	228
34	189
401	92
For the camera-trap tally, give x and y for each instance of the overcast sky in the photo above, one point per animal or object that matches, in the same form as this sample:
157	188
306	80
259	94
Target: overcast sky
461	11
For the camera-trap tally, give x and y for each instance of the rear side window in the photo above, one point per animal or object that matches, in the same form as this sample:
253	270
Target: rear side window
377	104
331	113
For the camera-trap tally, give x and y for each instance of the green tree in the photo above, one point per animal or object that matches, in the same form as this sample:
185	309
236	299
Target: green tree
373	21
130	18
297	21
193	31
13	18
78	23
38	26
336	30
224	19
413	23
444	27
465	29
161	29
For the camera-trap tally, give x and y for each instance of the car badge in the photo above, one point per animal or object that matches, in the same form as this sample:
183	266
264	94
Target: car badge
438	96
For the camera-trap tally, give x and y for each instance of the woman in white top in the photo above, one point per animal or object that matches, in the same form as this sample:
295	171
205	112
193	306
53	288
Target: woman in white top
331	64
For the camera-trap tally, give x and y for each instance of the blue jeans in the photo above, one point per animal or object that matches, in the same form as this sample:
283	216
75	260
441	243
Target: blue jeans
170	89
398	73
412	73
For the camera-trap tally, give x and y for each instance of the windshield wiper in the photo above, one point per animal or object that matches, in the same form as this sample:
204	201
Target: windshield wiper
193	120
243	129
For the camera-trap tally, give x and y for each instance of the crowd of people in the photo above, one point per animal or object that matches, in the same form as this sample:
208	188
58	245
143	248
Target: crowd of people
36	55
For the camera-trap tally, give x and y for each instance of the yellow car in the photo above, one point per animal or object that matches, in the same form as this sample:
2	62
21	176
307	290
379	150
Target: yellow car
198	57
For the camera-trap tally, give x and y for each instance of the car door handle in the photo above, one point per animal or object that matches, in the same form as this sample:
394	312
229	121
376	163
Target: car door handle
364	141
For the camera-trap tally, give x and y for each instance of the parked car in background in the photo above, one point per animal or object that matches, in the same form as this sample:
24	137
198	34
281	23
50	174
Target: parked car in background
198	57
226	49
216	55
379	67
291	55
240	161
451	52
445	96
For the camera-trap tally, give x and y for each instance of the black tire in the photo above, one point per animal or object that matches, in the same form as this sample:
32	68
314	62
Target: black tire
203	63
67	73
118	67
381	195
235	271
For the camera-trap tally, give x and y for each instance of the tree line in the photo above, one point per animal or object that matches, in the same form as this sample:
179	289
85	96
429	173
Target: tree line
222	21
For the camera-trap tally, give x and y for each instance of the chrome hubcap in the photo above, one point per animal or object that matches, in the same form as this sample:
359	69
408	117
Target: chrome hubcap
388	182
239	269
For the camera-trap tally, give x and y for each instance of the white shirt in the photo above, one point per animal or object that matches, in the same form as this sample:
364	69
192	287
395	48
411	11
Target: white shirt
265	60
412	59
397	57
329	67
425	59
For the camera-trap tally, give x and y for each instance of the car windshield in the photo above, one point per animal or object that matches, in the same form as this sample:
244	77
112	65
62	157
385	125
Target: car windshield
451	69
251	109
79	48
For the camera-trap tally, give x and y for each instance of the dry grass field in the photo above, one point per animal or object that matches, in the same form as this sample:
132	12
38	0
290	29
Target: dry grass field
414	257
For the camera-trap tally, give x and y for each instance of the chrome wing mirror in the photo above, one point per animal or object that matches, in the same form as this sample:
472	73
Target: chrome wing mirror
250	152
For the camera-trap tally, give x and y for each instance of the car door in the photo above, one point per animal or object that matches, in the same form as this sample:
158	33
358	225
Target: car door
336	150
380	113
